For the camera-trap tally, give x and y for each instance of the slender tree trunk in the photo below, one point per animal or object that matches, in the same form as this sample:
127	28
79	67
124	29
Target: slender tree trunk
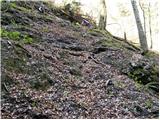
141	33
150	26
103	15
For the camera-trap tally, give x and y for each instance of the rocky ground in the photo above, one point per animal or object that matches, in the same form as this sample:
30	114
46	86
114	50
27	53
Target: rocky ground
52	68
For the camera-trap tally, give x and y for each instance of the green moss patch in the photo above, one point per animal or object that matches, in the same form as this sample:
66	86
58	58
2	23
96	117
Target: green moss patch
98	32
17	36
151	54
110	43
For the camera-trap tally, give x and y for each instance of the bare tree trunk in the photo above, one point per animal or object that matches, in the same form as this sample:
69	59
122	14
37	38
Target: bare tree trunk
103	15
141	33
144	17
150	26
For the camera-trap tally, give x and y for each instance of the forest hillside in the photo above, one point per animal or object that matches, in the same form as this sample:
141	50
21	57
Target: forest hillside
53	67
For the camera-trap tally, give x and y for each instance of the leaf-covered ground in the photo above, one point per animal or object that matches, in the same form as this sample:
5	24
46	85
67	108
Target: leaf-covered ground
52	68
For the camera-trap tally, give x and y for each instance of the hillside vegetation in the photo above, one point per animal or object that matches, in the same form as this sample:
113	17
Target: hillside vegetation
54	68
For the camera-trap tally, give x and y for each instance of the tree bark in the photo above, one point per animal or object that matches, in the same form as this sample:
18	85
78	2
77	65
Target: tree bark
150	26
141	33
103	15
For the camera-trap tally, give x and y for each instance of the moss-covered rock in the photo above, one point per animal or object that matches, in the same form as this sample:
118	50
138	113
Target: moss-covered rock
40	82
75	71
143	70
145	73
23	13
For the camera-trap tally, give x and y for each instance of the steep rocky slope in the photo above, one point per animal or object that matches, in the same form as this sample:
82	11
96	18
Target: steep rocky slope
52	68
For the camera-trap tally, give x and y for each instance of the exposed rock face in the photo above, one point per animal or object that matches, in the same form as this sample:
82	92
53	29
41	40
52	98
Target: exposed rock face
51	70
